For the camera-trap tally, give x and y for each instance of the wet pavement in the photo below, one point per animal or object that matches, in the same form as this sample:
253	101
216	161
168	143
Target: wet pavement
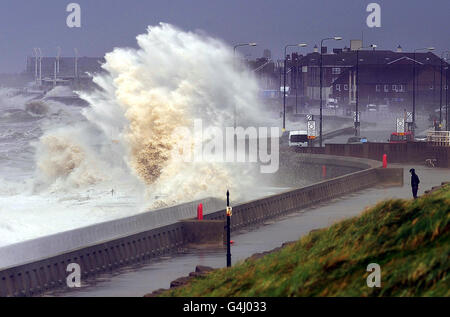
137	281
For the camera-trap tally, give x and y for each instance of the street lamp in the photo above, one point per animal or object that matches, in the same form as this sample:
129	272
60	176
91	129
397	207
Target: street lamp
38	53
440	96
58	55
336	38
414	85
234	66
446	95
357	86
284	85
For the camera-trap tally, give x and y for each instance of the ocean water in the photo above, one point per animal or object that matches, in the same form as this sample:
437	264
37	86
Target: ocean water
64	166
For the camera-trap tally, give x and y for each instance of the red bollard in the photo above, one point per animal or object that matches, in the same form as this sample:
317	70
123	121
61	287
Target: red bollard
324	171
384	160
200	212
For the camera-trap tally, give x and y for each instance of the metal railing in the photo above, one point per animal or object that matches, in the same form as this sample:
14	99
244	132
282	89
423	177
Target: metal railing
439	138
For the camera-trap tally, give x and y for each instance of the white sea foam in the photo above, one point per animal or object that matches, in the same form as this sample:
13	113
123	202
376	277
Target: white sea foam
116	159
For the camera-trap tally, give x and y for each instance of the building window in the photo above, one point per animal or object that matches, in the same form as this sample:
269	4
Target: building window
394	88
338	87
386	88
401	88
345	87
336	71
377	88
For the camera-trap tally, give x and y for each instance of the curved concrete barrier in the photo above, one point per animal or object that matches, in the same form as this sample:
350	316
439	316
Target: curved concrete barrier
44	247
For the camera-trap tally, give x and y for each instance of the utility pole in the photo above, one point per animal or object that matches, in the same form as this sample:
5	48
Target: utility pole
284	85
357	123
447	126
441	92
414	87
336	38
296	84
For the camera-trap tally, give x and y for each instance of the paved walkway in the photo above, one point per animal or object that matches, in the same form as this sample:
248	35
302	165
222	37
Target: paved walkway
158	274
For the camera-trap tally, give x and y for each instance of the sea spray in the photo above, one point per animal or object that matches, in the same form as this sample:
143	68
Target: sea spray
146	95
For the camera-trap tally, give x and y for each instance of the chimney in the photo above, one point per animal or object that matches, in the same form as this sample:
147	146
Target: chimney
399	49
324	49
316	49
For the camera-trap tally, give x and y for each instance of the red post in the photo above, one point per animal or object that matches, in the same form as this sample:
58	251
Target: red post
324	171
200	212
384	160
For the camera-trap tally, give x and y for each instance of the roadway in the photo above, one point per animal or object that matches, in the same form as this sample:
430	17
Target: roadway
381	127
139	280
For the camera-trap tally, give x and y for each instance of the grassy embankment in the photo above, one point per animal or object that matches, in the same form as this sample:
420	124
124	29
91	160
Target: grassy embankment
409	239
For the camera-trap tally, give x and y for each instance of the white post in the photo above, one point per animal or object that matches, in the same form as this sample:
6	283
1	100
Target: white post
57	59
35	66
40	67
76	63
54	75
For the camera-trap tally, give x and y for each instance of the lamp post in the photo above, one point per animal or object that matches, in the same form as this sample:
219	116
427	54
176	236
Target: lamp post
58	55
440	95
228	215
36	54
284	84
234	65
296	85
38	77
357	86
446	96
76	65
414	86
336	38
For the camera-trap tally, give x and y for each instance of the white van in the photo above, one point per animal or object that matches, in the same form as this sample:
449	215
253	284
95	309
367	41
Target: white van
298	138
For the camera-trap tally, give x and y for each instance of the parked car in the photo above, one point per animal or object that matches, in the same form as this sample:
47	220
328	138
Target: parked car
401	137
420	138
357	140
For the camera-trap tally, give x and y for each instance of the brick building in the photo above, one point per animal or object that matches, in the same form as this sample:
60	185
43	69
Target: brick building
385	77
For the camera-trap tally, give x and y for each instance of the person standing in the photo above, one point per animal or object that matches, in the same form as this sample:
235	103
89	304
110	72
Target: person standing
414	182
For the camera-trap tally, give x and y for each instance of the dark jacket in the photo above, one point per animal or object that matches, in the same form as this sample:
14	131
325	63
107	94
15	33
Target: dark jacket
414	180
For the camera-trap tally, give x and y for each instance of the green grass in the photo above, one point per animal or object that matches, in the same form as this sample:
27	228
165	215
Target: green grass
409	239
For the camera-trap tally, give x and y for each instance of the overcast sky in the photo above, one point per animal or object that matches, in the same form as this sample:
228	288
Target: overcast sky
106	24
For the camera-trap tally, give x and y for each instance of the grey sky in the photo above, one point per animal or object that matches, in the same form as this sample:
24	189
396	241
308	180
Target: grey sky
25	24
